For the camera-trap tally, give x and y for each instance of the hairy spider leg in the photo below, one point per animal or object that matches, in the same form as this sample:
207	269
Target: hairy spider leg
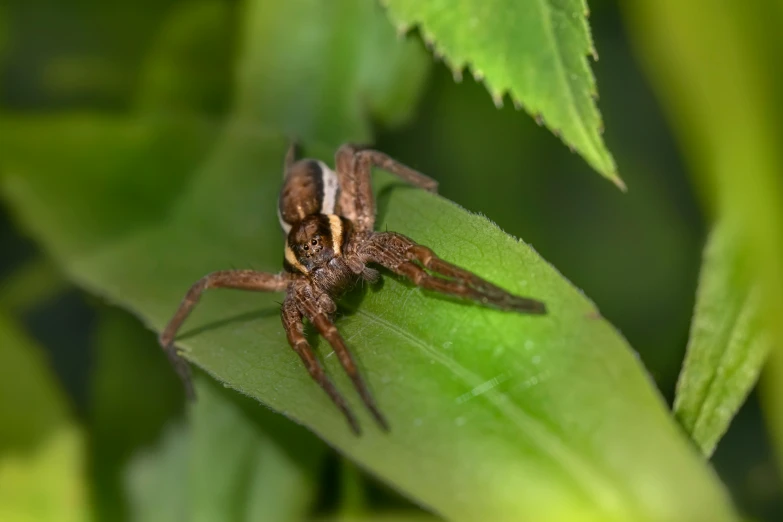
401	254
327	329
237	279
354	172
294	328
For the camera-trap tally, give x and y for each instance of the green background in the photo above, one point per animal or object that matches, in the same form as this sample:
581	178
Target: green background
636	255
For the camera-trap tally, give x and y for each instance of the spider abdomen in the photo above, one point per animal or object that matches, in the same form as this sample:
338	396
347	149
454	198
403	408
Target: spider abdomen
310	188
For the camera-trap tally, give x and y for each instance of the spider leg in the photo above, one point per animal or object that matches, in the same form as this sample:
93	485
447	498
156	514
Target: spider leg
290	155
314	312
403	256
238	279
294	329
329	331
354	169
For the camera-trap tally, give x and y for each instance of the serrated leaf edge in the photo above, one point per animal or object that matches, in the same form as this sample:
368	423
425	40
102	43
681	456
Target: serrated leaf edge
457	66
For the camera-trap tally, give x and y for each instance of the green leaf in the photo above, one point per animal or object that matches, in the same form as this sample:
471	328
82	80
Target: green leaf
316	70
41	448
353	494
771	387
727	116
494	415
3	34
32	283
156	481
728	344
233	461
534	50
133	395
189	66
32	404
395	516
92	56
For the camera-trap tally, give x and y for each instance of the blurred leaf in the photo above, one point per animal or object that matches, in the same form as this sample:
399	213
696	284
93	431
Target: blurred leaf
45	484
156	481
552	417
728	344
32	283
353	497
534	50
3	34
317	70
772	399
91	55
235	461
41	448
31	403
728	115
151	161
134	392
189	67
401	516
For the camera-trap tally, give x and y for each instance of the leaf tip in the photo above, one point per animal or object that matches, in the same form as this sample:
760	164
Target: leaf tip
608	169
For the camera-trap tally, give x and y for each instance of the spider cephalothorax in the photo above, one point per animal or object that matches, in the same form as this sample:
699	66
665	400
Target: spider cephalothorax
328	217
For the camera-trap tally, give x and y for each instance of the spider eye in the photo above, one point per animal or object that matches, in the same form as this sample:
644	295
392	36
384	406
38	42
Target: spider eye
306	247
313	242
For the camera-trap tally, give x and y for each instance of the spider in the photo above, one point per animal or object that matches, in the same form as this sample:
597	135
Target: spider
328	217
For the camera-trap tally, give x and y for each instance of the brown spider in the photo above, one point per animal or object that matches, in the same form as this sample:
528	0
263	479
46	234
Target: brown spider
328	217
